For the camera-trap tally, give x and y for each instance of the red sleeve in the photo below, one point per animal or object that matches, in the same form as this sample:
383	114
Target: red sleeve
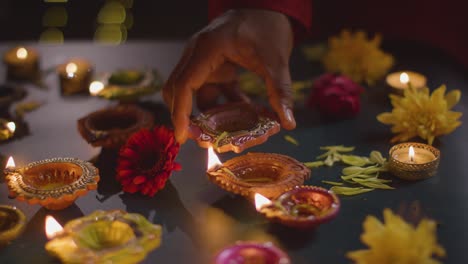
299	11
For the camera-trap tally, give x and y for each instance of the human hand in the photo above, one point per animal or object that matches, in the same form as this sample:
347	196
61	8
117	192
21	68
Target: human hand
257	40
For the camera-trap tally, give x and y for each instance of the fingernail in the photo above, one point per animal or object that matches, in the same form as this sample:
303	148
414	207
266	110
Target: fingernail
290	121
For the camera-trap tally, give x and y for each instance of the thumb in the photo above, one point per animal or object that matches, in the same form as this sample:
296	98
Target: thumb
278	82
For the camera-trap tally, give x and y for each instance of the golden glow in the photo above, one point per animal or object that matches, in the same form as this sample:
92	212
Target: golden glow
112	12
96	87
404	78
11	126
213	160
71	69
411	153
261	201
22	53
52	35
52	227
10	163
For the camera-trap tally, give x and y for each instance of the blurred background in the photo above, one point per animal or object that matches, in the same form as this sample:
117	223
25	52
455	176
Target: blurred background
436	23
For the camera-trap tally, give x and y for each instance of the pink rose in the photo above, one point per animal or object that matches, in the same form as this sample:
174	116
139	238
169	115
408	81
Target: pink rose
335	96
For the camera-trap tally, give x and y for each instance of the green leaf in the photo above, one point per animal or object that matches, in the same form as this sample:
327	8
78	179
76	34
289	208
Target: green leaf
26	107
352	170
349	190
338	148
314	164
219	138
291	140
362	176
376	157
333	183
372	184
354	160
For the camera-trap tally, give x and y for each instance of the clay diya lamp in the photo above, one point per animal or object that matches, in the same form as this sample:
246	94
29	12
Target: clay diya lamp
111	127
114	237
53	183
251	252
22	64
7	129
302	207
75	76
12	223
269	174
8	95
233	127
126	85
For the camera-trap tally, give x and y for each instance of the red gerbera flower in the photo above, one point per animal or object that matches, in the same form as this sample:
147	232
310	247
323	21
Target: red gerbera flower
147	160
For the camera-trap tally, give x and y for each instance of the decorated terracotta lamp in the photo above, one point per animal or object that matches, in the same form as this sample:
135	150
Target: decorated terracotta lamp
251	252
300	207
75	76
7	129
12	223
402	80
266	173
233	127
111	127
103	237
53	183
22	64
126	85
8	95
414	161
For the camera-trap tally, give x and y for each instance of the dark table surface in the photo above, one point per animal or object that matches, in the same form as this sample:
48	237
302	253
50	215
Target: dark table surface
197	216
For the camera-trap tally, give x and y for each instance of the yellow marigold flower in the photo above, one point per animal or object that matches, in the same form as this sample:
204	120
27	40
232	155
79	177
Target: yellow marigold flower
354	55
396	242
419	113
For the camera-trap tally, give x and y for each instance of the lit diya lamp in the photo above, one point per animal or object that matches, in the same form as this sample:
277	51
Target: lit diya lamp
8	95
126	85
269	174
53	183
7	129
302	207
22	64
111	127
12	223
413	161
233	127
114	237
75	76
251	252
402	80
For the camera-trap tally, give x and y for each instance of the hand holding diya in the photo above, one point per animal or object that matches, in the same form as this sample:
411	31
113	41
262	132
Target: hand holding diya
413	161
22	64
114	237
300	207
53	183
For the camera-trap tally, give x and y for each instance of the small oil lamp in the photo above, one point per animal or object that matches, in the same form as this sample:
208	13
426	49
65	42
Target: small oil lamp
233	127
12	223
251	252
413	161
267	173
22	64
302	207
53	183
75	76
111	127
103	237
95	88
400	81
7	129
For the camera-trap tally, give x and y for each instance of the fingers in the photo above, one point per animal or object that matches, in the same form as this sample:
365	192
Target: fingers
202	61
233	93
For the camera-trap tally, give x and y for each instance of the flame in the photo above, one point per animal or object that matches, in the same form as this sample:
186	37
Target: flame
22	53
261	201
10	163
411	153
11	126
404	77
52	227
213	160
96	87
71	69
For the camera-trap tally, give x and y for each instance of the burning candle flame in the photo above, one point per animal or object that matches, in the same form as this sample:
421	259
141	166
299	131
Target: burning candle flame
22	53
96	87
71	69
11	126
213	160
404	78
10	163
411	153
52	227
261	201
